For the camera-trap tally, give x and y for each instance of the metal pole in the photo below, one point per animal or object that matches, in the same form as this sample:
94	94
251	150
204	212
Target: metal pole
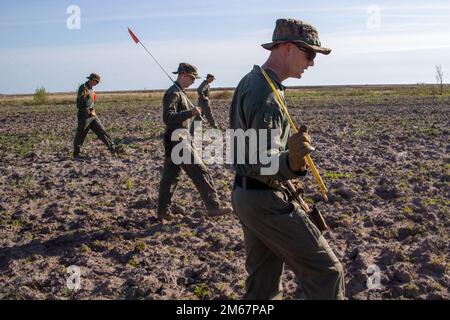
135	38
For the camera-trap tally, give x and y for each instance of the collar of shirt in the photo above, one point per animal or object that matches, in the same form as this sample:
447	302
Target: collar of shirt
179	86
87	85
272	76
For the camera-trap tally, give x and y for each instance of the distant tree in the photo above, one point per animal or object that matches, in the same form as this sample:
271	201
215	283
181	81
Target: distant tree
40	96
440	78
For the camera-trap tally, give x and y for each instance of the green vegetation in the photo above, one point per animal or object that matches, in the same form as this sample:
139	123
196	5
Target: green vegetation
19	144
201	291
337	175
133	262
129	184
140	245
40	96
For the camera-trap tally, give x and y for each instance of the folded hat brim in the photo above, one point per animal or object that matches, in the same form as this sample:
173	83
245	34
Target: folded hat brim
318	49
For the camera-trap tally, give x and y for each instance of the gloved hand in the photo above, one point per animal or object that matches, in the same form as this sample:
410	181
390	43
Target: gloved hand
299	146
93	113
196	111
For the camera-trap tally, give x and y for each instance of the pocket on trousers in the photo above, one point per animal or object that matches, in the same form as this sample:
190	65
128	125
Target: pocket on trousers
310	225
281	204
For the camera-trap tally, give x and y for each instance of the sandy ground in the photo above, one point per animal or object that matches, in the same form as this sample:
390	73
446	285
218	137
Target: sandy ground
386	164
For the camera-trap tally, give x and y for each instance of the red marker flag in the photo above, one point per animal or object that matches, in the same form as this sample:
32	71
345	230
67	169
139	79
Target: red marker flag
133	36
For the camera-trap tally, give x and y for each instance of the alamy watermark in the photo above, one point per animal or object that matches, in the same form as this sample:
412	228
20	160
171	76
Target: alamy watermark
373	22
253	147
374	280
73	281
73	22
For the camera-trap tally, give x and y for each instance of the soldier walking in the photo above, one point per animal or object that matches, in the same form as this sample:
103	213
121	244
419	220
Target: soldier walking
178	115
204	100
87	117
276	229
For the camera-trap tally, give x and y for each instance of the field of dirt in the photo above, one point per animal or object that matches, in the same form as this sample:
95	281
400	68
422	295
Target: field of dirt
385	159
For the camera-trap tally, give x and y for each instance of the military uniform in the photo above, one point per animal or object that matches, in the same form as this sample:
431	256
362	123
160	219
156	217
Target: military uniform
276	229
204	102
87	119
178	115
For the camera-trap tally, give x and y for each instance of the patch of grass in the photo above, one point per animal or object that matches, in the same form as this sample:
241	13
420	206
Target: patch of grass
346	219
140	245
216	237
221	286
440	260
224	182
337	175
28	236
133	262
19	144
201	291
181	225
129	184
431	202
412	287
430	131
85	248
67	293
188	234
16	223
408	210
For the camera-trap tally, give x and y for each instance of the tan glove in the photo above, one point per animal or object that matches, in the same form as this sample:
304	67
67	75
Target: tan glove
93	113
299	146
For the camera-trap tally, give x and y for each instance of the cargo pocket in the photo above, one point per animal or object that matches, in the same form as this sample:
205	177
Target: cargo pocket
313	230
280	204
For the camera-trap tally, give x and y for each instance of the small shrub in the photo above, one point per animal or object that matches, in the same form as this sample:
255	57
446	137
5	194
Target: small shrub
40	96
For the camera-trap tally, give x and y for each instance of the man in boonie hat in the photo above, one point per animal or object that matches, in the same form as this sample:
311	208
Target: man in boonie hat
204	101
87	116
277	231
177	114
189	70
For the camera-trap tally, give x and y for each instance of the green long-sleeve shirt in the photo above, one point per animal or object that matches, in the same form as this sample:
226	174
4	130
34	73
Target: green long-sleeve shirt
85	98
176	111
203	90
255	106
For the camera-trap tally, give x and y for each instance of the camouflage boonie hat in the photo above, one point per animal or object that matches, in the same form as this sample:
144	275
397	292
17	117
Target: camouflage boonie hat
188	69
208	76
293	30
94	76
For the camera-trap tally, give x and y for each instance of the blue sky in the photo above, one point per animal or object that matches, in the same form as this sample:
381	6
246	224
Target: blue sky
220	37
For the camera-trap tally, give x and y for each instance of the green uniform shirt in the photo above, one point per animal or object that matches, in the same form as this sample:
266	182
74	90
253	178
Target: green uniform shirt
203	90
255	106
176	111
85	99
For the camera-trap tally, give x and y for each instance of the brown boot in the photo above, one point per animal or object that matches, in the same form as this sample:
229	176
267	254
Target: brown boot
165	215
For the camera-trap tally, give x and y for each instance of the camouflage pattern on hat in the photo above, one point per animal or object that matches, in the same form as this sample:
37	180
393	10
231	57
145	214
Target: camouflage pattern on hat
208	76
293	30
188	69
94	76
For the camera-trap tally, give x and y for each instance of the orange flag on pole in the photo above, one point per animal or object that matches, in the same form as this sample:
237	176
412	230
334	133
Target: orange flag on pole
133	36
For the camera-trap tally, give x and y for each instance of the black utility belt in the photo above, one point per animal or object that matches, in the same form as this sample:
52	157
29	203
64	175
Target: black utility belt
251	183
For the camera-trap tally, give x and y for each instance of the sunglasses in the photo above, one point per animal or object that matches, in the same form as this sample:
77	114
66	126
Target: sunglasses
310	54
